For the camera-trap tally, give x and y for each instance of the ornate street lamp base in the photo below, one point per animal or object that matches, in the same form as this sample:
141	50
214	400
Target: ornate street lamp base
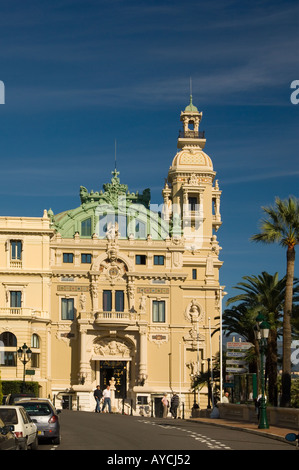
263	422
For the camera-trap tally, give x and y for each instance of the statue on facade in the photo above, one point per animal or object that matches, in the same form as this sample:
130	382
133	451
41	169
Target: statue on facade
82	302
142	305
112	231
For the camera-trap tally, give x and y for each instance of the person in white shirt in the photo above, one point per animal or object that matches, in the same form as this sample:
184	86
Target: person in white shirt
225	398
107	398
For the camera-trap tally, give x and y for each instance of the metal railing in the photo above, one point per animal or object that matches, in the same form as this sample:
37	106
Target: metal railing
191	134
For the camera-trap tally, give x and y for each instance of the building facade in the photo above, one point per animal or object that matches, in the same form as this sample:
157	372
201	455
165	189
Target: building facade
116	292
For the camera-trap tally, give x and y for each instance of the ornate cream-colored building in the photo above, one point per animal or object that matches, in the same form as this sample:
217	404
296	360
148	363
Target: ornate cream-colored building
116	291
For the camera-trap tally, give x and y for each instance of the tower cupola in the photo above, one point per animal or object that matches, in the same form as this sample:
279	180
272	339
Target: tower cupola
190	135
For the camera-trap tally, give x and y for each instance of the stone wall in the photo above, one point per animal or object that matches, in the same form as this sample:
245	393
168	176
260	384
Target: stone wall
283	417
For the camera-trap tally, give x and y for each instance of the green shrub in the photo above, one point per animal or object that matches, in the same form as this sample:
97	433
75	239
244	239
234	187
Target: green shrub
16	386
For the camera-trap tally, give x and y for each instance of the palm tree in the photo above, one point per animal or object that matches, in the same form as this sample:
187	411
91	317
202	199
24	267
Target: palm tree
282	226
265	293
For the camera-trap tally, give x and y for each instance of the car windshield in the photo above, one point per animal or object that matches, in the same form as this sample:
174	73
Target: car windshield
37	409
9	416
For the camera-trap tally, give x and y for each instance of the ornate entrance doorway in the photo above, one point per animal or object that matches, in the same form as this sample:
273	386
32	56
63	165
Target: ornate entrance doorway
118	370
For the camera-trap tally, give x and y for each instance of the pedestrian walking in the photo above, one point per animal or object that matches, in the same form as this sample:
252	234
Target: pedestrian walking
258	403
174	404
107	399
165	404
98	396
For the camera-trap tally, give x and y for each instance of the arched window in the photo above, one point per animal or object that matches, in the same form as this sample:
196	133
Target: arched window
35	341
8	349
8	339
35	357
86	228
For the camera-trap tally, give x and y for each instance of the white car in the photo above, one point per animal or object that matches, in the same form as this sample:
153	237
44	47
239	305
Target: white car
24	428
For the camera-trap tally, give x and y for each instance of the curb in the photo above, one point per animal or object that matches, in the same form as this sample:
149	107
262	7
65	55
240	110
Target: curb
252	431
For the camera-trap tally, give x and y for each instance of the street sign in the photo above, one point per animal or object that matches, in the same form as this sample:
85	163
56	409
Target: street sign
236	370
238	345
238	351
235	361
235	354
30	372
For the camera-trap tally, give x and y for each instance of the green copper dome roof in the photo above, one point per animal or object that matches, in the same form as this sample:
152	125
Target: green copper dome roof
191	108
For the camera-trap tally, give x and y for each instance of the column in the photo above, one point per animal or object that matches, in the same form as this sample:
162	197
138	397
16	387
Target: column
143	355
84	364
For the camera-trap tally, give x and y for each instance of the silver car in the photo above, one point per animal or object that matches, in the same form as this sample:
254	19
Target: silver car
45	416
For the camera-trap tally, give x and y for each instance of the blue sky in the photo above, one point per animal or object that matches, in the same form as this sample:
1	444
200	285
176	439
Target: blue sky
80	74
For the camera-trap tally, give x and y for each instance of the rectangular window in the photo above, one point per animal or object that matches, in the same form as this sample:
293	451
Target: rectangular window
16	299
86	258
16	250
8	359
119	301
86	228
194	274
35	360
107	300
68	257
140	259
142	400
159	260
67	309
192	201
159	311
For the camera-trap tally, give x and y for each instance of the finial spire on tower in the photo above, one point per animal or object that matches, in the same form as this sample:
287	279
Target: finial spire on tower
191	91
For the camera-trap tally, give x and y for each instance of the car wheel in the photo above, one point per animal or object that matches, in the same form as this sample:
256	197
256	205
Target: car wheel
56	440
34	445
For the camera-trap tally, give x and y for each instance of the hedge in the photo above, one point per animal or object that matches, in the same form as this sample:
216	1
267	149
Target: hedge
17	386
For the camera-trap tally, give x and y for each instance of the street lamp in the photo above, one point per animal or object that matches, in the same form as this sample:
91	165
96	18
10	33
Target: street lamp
24	354
261	332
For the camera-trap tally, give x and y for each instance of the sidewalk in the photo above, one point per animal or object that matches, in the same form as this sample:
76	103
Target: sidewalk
273	432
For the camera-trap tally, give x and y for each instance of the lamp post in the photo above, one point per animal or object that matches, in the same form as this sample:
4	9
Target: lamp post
209	384
24	354
261	332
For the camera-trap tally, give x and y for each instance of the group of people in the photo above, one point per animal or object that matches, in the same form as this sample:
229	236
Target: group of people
174	404
103	398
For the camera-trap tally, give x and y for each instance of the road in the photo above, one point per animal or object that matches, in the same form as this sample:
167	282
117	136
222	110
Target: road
113	432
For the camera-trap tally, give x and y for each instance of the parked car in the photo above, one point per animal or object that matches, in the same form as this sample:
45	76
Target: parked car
37	399
45	416
8	441
23	427
12	398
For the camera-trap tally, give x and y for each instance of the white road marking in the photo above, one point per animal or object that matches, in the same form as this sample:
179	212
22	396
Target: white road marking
211	443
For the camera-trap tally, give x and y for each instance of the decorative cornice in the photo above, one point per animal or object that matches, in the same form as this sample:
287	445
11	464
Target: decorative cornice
156	275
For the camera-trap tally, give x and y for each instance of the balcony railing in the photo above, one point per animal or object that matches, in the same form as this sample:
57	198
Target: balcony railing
15	263
22	312
191	134
113	316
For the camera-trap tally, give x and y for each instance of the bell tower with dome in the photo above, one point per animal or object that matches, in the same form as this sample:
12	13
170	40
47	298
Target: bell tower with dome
191	194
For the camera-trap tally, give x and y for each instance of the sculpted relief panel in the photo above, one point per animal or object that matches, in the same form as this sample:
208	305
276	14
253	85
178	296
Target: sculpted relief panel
111	348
